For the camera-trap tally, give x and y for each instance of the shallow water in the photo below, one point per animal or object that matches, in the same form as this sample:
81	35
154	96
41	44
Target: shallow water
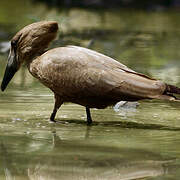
132	143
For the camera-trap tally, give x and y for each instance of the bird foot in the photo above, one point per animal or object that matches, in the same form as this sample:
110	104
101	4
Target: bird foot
52	121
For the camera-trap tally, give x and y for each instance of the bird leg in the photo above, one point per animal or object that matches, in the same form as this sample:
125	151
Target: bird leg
88	113
57	104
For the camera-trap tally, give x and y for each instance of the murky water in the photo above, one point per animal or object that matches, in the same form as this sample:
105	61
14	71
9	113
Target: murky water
132	143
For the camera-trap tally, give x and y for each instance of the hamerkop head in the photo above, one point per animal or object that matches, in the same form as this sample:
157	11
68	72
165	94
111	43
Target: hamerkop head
29	42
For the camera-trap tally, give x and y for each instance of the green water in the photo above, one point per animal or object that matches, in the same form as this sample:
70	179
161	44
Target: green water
129	144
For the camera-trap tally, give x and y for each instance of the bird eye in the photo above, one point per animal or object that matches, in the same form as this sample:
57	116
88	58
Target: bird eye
14	44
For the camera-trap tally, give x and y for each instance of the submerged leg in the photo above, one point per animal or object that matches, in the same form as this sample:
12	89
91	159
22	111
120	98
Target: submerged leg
57	104
88	113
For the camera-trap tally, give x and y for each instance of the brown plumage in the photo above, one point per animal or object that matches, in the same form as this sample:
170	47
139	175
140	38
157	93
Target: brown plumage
79	75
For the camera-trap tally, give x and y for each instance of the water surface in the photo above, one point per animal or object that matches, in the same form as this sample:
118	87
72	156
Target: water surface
132	143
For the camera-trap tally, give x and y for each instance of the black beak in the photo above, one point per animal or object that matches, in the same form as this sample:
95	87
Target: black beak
11	69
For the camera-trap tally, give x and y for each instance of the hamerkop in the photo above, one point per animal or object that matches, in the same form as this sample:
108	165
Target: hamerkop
79	75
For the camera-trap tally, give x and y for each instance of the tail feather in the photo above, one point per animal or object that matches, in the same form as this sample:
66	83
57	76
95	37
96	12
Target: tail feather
172	89
169	93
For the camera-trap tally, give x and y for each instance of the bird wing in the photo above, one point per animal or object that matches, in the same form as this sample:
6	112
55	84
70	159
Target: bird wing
99	58
119	84
77	71
115	78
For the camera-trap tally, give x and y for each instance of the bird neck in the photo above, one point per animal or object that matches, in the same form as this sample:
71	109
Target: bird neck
31	56
33	66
